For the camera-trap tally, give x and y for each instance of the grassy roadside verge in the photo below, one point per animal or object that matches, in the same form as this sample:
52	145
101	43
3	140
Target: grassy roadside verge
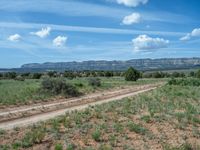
14	92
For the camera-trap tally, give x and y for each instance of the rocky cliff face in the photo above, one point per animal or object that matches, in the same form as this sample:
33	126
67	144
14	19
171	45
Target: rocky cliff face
141	64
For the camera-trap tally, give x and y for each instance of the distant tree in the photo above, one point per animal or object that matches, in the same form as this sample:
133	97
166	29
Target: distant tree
100	74
108	74
52	74
182	74
192	74
198	74
175	74
10	75
1	75
26	75
87	74
69	75
36	75
132	74
93	74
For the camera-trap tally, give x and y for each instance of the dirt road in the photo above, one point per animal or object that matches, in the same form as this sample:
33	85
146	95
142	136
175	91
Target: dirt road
27	115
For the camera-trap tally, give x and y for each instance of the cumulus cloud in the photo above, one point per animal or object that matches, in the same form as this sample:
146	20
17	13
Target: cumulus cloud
44	32
132	3
131	19
196	32
188	36
144	43
14	37
60	41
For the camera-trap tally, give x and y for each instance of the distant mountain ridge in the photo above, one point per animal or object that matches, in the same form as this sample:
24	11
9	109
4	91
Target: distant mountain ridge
141	64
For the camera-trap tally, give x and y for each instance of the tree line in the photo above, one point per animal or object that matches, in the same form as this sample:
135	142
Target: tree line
130	73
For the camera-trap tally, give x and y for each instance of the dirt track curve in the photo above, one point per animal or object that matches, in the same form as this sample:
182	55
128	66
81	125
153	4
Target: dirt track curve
27	115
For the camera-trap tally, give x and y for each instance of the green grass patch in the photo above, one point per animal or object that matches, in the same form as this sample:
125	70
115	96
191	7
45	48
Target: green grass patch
137	128
14	92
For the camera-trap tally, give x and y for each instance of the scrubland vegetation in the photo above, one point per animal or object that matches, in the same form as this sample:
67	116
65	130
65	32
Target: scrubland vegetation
26	88
167	118
31	90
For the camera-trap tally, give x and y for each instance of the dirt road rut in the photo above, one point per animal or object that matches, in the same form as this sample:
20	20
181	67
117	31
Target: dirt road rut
27	115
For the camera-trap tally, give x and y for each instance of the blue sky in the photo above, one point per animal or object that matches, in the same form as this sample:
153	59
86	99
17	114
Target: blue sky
78	30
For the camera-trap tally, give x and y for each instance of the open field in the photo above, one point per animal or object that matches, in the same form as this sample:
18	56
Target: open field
167	118
27	115
14	92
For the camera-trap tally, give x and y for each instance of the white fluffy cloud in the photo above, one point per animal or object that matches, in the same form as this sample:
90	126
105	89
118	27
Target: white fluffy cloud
194	33
14	37
131	19
144	42
44	32
132	3
60	41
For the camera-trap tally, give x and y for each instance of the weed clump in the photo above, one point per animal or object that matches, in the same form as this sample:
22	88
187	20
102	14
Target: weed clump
136	128
33	137
96	135
58	147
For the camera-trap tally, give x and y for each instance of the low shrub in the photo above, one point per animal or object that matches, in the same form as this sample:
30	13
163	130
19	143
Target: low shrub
71	147
185	82
79	84
94	82
59	86
136	128
20	78
33	137
36	75
146	118
2	132
58	147
96	135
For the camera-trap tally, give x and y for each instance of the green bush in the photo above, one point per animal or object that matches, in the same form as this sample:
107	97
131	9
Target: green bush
36	75
59	86
132	74
10	75
96	135
71	147
146	118
184	82
94	82
33	137
198	74
79	84
20	78
58	147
